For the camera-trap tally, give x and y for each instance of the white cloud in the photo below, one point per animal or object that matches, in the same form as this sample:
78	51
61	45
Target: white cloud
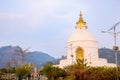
32	13
38	11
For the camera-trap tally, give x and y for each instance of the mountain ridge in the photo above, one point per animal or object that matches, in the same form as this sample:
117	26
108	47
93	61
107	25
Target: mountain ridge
10	54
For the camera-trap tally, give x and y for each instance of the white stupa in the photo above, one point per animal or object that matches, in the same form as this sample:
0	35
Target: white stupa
82	45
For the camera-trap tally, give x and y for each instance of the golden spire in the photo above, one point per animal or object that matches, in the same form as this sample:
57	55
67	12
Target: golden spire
81	21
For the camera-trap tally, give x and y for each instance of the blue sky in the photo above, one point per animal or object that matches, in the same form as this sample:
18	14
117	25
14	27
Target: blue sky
46	25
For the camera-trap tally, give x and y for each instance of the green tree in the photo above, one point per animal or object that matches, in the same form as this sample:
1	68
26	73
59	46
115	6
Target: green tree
24	70
77	70
12	70
101	73
47	70
3	71
53	73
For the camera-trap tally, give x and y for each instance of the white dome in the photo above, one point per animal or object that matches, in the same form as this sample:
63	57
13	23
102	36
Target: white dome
81	35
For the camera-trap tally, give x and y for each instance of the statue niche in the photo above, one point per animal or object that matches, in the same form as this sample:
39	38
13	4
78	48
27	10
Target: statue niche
79	53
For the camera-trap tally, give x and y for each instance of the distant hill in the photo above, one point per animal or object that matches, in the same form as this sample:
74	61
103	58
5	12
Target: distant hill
10	55
39	58
109	54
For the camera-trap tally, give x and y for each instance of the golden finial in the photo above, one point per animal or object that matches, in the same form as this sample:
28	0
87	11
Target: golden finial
81	14
81	21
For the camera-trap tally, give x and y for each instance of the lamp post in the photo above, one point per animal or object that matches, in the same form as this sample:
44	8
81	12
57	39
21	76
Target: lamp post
115	47
71	51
